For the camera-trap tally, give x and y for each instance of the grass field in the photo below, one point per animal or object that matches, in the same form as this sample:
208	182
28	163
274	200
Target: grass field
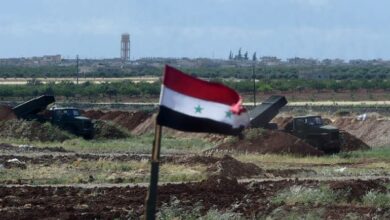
289	186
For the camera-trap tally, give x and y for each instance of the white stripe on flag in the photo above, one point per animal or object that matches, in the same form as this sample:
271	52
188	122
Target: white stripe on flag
201	108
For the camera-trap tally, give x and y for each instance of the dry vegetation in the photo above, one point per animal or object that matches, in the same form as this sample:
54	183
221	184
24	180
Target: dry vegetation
245	185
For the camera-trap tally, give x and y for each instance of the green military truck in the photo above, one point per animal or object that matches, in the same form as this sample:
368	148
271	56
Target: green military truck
309	128
70	119
67	118
313	130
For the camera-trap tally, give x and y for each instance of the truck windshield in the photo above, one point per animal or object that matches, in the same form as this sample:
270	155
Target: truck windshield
69	112
76	112
314	121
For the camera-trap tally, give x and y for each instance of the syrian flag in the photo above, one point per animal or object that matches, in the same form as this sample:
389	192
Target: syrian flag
191	104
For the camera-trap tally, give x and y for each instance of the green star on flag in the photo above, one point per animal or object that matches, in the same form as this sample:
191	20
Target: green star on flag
228	114
198	109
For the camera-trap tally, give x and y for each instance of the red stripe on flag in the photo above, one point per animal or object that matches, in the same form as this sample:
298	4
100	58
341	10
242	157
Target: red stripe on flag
197	88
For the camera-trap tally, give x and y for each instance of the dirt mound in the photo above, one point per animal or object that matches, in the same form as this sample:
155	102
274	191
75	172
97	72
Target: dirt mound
373	130
6	113
128	120
351	143
108	130
148	125
93	114
230	167
197	159
282	122
219	182
348	141
268	141
32	130
356	189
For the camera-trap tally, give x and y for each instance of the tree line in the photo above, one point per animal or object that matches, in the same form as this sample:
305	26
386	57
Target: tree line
261	72
91	90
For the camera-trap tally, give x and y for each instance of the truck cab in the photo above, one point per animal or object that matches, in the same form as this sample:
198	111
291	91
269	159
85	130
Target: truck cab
315	132
70	119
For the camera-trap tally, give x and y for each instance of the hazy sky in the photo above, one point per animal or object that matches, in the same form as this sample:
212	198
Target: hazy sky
346	29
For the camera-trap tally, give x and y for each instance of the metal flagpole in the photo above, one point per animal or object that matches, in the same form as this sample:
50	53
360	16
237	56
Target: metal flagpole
150	210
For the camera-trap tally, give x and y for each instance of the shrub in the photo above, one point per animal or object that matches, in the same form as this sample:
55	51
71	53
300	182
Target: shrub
377	199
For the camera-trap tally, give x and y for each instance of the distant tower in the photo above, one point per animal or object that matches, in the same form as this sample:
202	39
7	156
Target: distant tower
125	47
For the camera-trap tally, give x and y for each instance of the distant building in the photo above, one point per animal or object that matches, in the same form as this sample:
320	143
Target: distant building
268	60
125	47
302	61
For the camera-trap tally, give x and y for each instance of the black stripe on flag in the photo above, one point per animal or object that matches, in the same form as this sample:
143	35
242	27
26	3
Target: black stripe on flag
176	120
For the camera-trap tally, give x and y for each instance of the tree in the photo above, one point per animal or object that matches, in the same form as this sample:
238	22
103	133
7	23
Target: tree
246	55
239	55
254	57
230	55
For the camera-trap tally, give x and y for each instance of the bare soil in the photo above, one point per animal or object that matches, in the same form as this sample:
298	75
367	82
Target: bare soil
6	113
222	193
374	130
230	167
270	141
108	130
351	143
125	119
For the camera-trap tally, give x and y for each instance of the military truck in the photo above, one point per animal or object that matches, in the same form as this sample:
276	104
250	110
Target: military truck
70	119
309	128
67	118
313	130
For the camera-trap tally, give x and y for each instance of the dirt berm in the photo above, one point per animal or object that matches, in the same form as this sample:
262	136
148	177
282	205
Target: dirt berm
348	139
109	130
373	129
128	120
46	132
32	131
6	113
230	167
267	141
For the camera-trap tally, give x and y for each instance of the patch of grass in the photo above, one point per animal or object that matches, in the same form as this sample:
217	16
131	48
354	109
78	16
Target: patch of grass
382	153
175	210
32	131
378	165
376	199
288	160
254	133
134	144
101	171
387	186
182	173
350	171
39	175
306	196
380	159
297	213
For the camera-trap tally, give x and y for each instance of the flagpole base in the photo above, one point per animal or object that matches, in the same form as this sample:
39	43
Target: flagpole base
151	198
152	193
